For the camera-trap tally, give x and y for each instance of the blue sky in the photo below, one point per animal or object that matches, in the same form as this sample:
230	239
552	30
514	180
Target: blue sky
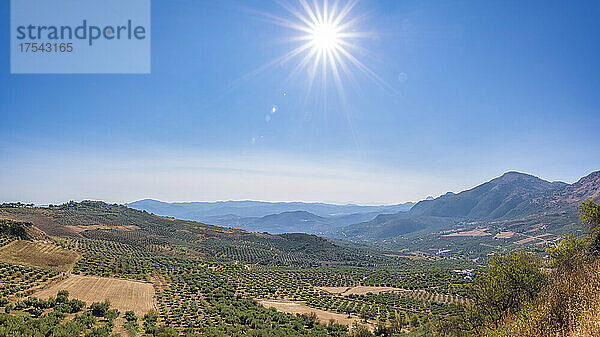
471	89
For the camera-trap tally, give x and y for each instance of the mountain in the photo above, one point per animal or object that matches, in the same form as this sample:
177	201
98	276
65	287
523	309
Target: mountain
505	199
272	217
491	200
566	198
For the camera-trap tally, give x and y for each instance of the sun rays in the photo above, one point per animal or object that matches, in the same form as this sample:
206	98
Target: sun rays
326	37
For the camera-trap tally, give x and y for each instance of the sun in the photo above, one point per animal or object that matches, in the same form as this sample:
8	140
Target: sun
328	35
325	36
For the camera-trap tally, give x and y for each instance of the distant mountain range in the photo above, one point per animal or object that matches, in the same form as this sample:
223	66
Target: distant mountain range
272	217
512	196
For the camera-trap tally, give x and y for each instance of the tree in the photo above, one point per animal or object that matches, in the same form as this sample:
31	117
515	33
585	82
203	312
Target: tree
567	253
112	314
381	329
364	314
510	281
311	319
589	213
62	296
99	309
150	320
86	319
397	323
414	321
76	305
130	316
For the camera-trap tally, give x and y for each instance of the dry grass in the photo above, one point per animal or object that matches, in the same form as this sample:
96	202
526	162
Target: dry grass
38	254
122	294
570	308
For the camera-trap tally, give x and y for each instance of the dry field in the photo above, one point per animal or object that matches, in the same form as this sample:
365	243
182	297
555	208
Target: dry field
334	290
358	290
79	229
363	290
474	233
122	294
504	235
38	254
301	308
529	239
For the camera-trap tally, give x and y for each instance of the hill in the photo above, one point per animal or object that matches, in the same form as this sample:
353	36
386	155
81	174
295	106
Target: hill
285	222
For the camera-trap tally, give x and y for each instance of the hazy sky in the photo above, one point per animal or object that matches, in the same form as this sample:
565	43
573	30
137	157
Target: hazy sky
467	90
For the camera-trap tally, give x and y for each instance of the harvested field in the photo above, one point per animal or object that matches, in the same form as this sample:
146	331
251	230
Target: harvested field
122	294
334	290
301	308
526	240
362	290
504	235
38	254
358	290
529	239
79	229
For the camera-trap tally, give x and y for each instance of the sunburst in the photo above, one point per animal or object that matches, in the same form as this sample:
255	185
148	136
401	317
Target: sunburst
327	37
